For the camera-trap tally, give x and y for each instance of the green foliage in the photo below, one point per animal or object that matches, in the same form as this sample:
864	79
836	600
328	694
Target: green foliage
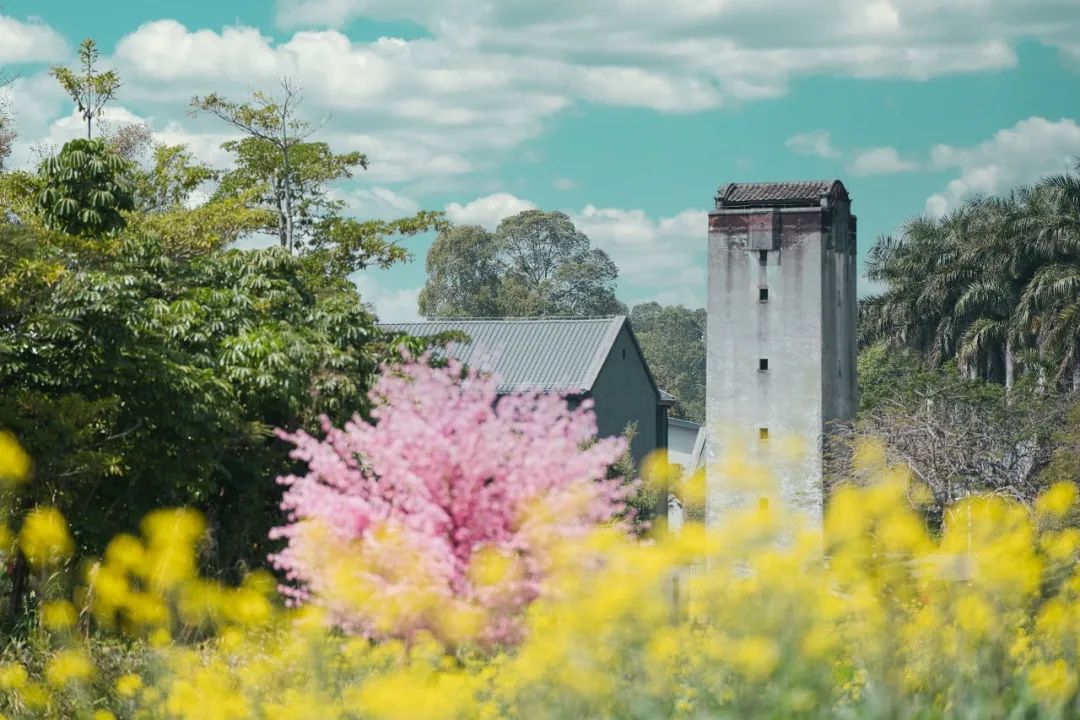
992	285
672	339
290	180
90	89
535	263
137	379
302	191
84	190
171	180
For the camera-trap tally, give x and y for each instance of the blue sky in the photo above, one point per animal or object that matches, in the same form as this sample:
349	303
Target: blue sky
626	114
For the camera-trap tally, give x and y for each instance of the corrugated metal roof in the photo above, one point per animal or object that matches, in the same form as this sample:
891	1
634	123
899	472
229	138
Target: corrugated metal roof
545	354
806	192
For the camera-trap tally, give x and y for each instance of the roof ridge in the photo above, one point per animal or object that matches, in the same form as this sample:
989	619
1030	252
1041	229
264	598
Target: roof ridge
518	318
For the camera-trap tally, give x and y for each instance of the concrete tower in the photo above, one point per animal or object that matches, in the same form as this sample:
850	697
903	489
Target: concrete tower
780	339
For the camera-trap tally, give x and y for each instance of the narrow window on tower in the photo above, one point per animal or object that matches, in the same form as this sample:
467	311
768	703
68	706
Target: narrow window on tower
763	434
763	295
763	257
763	364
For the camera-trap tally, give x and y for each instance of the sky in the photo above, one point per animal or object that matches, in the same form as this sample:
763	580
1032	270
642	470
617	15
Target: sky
628	115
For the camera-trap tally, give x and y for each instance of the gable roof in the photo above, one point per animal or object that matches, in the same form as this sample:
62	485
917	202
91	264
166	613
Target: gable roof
546	354
779	193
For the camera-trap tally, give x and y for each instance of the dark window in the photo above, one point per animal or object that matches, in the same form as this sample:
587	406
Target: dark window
763	433
763	364
763	294
763	257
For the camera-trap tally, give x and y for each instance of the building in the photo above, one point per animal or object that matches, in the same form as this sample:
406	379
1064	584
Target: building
683	439
596	358
781	352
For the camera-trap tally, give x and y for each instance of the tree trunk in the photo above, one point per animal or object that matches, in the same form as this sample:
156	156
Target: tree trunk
288	199
1076	377
20	576
282	235
1010	365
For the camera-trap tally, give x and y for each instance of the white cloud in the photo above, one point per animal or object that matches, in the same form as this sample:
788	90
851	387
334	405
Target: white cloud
817	143
564	184
881	161
666	253
487	211
389	304
686	54
378	203
1032	148
30	42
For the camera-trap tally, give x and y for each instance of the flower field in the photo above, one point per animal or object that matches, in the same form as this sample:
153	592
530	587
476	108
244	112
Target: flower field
561	613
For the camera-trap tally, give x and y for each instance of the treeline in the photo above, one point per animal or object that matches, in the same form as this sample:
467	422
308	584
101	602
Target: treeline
993	286
970	357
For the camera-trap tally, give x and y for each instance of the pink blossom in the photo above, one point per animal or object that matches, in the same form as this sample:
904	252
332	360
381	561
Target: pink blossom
399	522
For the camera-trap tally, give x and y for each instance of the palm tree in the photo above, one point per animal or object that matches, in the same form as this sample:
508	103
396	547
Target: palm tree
1050	303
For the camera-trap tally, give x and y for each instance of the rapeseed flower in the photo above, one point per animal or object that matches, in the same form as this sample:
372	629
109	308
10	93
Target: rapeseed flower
44	537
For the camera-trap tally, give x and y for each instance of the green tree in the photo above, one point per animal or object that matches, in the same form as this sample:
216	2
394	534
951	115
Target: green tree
137	380
672	339
535	263
291	174
85	189
90	89
280	171
464	274
992	285
7	124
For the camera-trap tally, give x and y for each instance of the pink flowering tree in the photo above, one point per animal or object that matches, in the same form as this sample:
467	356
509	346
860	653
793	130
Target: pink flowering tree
446	512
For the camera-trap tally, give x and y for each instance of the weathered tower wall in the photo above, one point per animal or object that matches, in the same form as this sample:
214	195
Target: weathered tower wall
780	342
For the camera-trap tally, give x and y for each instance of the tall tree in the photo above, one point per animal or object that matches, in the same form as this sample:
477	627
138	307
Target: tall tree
89	88
280	169
275	155
7	123
672	339
464	274
535	263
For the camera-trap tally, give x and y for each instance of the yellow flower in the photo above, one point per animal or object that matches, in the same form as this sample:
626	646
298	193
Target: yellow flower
59	615
13	676
1057	500
754	657
173	527
104	715
1052	683
128	685
974	616
14	462
160	638
68	666
35	696
44	537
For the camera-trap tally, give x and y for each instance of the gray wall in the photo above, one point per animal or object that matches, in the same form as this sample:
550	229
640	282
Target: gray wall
682	435
805	330
623	393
